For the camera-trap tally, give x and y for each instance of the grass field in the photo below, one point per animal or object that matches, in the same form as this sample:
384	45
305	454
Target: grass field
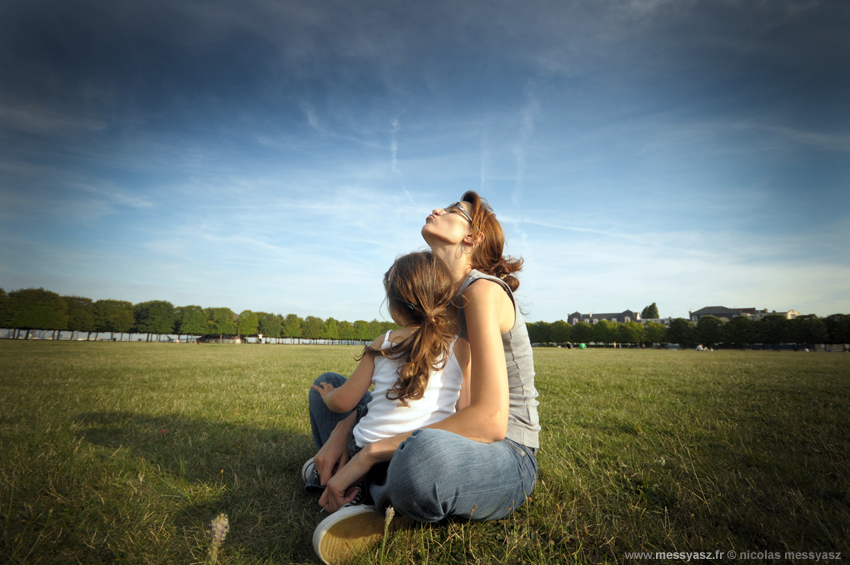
124	452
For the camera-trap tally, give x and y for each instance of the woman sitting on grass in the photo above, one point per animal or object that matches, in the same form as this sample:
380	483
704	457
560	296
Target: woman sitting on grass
478	463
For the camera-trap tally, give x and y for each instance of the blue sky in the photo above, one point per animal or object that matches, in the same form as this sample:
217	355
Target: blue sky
276	155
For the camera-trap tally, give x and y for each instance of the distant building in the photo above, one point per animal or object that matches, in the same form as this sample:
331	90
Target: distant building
790	314
729	313
722	312
665	321
622	317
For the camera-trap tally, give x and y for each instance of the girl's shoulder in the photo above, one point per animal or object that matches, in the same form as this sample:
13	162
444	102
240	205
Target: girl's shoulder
379	341
394	337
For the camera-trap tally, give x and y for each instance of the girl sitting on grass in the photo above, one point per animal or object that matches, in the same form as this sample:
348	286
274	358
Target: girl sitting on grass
418	372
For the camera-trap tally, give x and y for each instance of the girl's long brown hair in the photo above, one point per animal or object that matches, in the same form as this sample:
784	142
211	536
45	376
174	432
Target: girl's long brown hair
421	287
487	255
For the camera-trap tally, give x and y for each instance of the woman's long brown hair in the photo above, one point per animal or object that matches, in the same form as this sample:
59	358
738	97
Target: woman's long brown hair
421	287
487	255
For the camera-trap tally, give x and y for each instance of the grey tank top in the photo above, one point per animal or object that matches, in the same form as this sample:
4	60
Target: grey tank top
523	422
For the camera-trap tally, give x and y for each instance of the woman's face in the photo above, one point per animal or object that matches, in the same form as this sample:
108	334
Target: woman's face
448	225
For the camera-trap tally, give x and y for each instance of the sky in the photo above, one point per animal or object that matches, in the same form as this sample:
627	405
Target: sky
277	155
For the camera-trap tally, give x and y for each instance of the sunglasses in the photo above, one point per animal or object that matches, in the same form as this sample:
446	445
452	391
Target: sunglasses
458	207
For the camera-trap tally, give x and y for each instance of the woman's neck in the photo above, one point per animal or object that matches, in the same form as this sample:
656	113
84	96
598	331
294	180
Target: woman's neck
458	261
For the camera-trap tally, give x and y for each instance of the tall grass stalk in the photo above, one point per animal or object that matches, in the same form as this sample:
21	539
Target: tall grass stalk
219	527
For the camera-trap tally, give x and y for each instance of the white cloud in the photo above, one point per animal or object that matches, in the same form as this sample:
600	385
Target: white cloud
46	121
683	271
394	145
528	113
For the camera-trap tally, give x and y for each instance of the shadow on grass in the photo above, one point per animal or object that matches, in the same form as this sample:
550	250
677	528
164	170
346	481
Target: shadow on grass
199	468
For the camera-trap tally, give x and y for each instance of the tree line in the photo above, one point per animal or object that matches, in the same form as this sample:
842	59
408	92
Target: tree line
39	309
36	308
710	331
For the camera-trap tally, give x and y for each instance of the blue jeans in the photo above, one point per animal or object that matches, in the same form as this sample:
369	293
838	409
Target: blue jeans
435	473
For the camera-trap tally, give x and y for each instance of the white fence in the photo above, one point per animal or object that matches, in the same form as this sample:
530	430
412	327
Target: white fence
68	335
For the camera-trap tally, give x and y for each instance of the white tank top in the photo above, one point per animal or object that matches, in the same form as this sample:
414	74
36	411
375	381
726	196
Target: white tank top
386	418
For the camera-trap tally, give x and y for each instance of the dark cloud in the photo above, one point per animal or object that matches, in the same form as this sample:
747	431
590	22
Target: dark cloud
97	72
159	60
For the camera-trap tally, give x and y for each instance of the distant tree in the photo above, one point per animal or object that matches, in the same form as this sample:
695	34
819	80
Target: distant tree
387	326
362	330
191	320
655	333
582	332
37	309
682	332
808	330
561	332
346	330
739	331
539	332
650	312
630	332
176	314
248	323
375	329
5	313
312	327
268	324
292	326
773	330
114	316
82	316
604	332
838	328
709	331
543	331
221	321
330	329
155	317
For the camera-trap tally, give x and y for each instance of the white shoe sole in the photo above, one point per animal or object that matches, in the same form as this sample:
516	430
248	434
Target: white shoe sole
307	470
347	532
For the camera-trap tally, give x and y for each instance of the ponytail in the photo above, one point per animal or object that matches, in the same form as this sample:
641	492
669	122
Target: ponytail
421	287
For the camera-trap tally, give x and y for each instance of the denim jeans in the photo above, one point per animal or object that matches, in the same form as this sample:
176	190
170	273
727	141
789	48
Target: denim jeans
436	473
323	420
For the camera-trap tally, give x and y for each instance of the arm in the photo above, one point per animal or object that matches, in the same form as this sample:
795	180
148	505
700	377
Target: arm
339	492
461	351
334	453
488	310
347	396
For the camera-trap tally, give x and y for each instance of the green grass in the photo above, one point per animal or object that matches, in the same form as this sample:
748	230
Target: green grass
124	452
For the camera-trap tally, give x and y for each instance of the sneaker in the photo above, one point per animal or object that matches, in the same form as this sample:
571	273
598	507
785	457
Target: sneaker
347	532
307	470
